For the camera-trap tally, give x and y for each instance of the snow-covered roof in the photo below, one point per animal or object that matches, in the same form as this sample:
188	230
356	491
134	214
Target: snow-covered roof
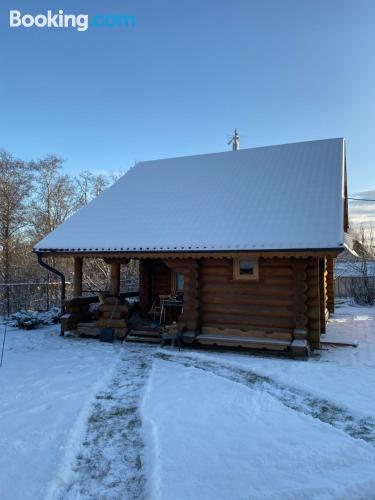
268	198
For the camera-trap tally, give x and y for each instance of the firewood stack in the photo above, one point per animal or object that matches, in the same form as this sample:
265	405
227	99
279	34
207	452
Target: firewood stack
112	314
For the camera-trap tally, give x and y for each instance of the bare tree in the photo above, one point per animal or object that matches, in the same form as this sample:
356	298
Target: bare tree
363	266
100	183
89	186
54	199
15	183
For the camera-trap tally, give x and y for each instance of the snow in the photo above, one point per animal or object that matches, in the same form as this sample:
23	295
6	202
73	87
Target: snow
81	419
31	319
46	384
277	197
217	439
343	375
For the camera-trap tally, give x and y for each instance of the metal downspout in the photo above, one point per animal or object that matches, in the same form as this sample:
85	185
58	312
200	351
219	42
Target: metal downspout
59	274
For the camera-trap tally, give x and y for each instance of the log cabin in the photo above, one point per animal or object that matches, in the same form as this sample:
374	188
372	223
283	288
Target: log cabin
247	238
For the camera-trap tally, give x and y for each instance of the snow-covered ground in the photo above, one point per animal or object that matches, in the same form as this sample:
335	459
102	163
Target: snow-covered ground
82	419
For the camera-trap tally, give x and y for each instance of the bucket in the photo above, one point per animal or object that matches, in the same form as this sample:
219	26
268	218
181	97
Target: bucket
106	335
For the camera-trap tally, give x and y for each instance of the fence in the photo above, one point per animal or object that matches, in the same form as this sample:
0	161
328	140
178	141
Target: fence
42	296
348	286
29	296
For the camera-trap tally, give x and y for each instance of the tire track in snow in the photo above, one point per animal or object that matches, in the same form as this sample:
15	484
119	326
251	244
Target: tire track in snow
338	417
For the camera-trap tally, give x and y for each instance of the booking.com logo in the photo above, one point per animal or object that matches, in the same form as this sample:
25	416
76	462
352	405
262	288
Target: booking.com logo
81	22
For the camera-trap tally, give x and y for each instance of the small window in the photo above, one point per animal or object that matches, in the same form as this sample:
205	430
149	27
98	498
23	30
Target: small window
246	269
178	280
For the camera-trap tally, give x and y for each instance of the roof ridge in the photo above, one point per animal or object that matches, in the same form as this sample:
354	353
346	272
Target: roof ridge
239	151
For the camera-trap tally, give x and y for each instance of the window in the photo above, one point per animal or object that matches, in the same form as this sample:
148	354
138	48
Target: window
177	282
246	269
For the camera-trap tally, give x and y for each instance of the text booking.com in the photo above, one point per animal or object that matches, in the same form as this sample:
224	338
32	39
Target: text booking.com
80	22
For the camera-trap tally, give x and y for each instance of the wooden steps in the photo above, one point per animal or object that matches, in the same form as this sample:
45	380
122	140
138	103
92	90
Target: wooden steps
143	340
146	335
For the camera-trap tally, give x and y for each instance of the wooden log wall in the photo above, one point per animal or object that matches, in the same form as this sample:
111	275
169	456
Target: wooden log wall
285	299
330	285
322	294
300	298
154	280
190	319
313	301
161	279
234	306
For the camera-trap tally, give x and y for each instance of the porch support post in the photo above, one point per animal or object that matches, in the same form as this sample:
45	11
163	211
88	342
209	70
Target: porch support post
77	287
115	278
145	286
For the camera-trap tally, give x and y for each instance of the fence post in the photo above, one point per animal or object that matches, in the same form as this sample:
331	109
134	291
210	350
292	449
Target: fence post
8	299
47	293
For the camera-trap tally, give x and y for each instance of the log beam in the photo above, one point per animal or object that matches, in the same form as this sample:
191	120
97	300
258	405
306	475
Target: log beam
77	285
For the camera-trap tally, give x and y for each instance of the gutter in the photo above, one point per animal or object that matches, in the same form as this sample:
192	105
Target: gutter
59	274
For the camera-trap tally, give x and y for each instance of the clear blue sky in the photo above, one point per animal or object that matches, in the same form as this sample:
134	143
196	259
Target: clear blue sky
185	76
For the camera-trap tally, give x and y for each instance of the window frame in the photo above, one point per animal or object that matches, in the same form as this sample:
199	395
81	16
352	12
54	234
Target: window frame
246	277
174	282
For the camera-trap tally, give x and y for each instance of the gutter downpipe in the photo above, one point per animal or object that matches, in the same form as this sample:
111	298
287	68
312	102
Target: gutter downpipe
59	274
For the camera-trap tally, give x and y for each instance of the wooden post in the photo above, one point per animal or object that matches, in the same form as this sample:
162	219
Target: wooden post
78	265
145	286
115	278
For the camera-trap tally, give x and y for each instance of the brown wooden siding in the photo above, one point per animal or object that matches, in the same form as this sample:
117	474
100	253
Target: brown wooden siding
330	285
190	319
154	280
266	304
161	279
286	297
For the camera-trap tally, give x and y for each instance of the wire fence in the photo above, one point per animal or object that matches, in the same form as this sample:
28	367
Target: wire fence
41	296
